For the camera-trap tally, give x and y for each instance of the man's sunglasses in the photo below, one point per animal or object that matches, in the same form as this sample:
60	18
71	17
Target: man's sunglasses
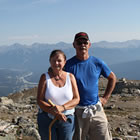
82	42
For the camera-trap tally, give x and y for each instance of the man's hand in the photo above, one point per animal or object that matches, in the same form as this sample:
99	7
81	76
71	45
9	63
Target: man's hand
103	101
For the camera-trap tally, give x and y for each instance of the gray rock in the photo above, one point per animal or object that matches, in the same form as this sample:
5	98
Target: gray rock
5	101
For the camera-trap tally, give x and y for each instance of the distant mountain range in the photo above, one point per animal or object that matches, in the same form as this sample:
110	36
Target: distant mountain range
129	69
22	65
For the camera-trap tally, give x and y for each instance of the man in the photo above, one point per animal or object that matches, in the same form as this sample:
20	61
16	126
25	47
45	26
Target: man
90	116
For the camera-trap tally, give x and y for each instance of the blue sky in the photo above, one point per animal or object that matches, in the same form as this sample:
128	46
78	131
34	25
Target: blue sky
52	21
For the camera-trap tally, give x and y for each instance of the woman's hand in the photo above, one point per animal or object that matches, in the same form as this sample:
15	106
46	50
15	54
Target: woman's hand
55	111
61	116
58	108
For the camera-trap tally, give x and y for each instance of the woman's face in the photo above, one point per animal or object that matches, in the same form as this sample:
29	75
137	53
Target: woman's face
57	62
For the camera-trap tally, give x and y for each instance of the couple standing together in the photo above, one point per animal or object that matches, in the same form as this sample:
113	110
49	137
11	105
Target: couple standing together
74	92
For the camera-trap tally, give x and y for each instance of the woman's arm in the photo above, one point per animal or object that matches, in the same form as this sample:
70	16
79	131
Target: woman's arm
41	94
46	107
76	98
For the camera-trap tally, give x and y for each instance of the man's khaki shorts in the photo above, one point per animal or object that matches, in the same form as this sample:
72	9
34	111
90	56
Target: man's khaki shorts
94	128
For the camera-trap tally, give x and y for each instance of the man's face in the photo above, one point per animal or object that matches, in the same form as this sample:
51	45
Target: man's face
81	45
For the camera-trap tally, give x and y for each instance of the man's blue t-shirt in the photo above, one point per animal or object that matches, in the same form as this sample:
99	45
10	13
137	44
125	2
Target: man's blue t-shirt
87	74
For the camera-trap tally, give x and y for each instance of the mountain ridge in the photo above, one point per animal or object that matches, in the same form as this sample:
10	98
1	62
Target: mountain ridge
35	58
126	44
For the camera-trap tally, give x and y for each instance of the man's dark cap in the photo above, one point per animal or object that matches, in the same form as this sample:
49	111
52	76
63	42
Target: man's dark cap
81	35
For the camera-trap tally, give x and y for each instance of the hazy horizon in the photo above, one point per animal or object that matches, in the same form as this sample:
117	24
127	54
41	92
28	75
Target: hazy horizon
26	44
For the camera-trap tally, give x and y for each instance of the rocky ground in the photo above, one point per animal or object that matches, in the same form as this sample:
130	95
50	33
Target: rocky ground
18	112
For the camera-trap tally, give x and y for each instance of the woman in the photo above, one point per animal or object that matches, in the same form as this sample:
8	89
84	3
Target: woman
61	88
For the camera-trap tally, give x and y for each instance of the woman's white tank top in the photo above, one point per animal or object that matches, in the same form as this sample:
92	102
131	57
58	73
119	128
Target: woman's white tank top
58	95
